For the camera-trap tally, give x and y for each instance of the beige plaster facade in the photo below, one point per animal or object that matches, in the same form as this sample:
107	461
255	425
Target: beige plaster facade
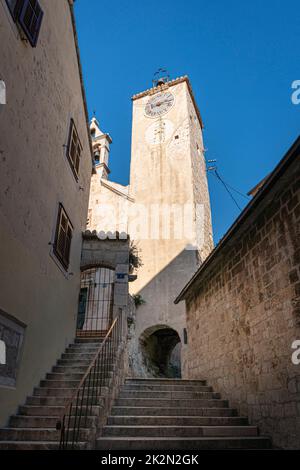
44	91
108	202
168	171
166	207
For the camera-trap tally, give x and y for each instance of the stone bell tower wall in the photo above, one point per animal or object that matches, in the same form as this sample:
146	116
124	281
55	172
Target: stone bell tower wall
167	174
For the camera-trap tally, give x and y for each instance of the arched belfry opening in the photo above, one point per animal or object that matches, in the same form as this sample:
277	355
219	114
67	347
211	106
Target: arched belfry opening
161	351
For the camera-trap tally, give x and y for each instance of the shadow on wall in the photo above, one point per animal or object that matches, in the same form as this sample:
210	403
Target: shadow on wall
157	346
161	351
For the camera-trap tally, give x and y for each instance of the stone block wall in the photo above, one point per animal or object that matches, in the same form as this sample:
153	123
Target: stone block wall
243	313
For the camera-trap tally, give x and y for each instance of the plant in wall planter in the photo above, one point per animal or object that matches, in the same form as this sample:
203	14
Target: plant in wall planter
138	300
135	260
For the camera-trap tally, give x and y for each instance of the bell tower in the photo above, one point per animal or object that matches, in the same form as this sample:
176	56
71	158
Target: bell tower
168	183
101	143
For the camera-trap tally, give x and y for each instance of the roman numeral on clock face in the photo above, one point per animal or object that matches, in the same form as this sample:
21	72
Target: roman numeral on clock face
159	104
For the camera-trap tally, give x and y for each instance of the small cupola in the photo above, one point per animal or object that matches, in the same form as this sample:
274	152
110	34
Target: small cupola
101	147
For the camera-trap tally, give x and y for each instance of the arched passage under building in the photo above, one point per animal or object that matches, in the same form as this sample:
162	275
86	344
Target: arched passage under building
161	351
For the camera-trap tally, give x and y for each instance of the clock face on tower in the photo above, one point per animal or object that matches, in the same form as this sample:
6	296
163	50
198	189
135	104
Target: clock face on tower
159	104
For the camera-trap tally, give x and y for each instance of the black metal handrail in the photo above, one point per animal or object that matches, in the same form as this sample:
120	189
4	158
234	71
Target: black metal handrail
74	419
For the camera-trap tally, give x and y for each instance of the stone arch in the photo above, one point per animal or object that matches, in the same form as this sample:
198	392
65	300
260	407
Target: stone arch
160	346
97	264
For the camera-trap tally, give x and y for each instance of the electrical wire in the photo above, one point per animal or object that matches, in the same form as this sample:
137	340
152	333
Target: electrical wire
226	186
237	191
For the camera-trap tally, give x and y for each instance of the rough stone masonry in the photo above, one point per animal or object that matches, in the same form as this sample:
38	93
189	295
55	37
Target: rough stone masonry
243	309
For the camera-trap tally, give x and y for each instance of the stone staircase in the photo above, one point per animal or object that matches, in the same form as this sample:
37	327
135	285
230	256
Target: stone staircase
174	414
149	414
34	426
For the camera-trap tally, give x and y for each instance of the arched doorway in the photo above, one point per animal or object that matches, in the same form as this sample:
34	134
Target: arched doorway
95	309
161	351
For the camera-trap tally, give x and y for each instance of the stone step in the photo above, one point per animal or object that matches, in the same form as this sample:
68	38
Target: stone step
46	401
69	369
53	392
83	340
167	388
80	357
77	356
72	383
171	411
48	387
63	377
36	434
171	395
33	445
19	421
87	344
180	431
200	443
176	421
66	392
74	350
168	402
76	363
165	382
73	362
57	384
54	401
52	411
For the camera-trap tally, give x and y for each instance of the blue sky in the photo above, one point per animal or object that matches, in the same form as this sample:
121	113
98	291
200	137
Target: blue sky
241	57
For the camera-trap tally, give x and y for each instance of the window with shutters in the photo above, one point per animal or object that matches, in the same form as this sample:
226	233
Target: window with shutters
14	7
74	149
63	237
29	15
30	19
